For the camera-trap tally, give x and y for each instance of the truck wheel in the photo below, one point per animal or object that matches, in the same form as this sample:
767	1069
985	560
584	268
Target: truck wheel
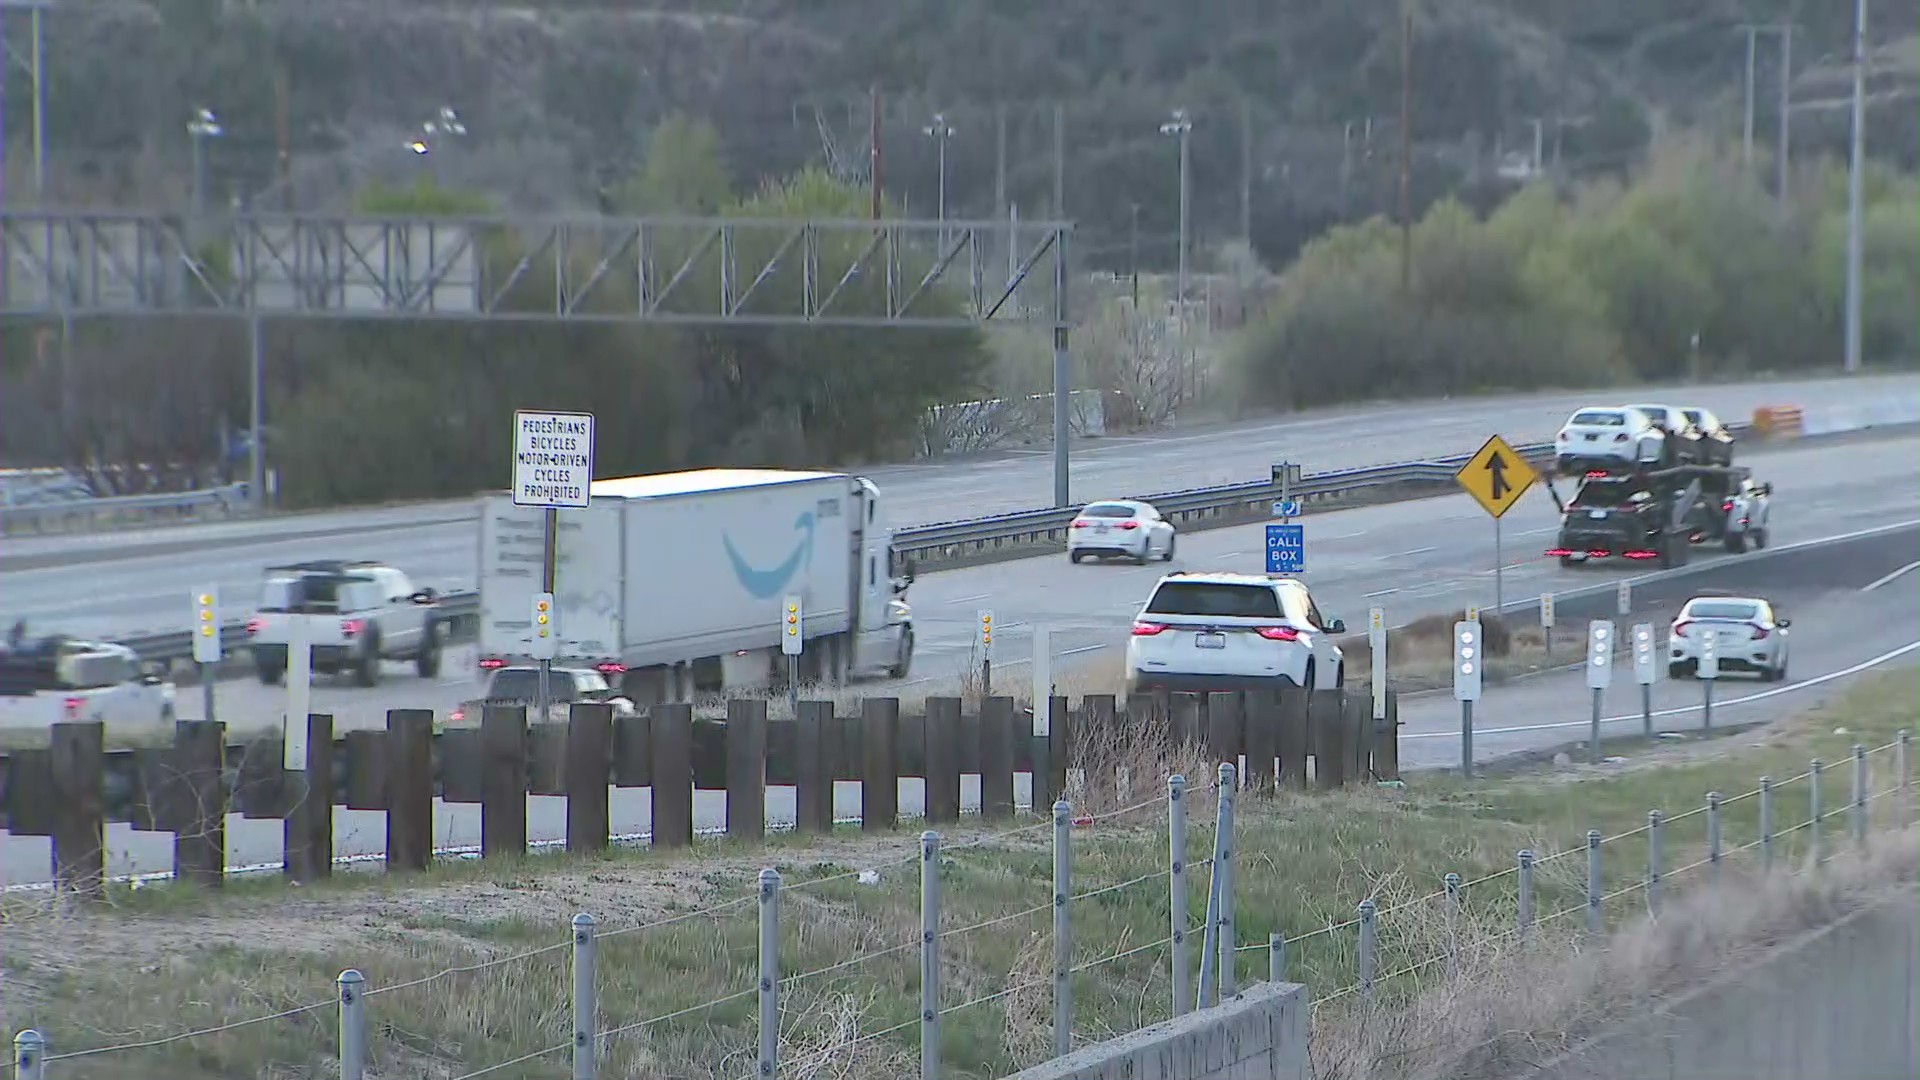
1736	543
1759	539
903	663
1306	678
367	671
428	662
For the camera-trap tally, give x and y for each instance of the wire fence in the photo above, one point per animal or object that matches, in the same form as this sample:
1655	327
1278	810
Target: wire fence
1791	818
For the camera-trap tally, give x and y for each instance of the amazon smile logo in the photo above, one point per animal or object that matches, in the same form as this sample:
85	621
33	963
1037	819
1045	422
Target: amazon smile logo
766	583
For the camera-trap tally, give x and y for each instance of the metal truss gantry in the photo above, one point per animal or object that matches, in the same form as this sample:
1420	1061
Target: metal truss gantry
851	274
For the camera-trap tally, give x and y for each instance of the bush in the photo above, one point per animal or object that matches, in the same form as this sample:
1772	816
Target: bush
1603	286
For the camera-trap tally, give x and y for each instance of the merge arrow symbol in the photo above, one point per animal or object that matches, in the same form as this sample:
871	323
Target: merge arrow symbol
1497	471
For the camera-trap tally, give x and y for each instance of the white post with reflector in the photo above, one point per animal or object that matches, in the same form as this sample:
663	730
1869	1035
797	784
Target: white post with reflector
793	641
206	641
986	651
1645	671
1468	656
1623	598
1546	624
1377	655
1599	674
543	644
1709	672
293	738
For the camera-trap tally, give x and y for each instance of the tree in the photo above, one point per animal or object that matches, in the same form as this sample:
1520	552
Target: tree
685	172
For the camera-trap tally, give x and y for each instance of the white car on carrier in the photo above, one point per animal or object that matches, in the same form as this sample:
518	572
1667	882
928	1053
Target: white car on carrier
1747	636
1204	632
1610	439
1120	528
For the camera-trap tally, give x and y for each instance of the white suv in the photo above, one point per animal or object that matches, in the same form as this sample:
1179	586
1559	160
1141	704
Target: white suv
1203	632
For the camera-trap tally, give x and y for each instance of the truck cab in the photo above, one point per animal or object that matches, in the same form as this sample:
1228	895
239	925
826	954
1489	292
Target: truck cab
62	679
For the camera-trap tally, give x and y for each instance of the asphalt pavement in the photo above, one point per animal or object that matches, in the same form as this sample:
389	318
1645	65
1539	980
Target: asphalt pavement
1413	558
138	581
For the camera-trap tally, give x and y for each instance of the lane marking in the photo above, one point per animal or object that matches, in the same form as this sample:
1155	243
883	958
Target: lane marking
1889	578
1682	710
1382	592
968	599
1415	551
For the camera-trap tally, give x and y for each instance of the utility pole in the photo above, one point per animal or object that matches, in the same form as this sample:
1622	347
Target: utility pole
1406	146
1059	161
941	131
1783	153
1180	127
999	160
1346	165
1746	128
1856	156
1246	172
283	127
1539	146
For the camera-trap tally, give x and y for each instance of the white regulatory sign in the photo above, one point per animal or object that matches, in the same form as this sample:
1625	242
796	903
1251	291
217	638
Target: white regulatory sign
552	459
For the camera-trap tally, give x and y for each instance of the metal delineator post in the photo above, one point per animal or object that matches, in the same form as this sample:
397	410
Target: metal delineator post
1713	835
30	1055
585	1007
1524	869
769	1060
1367	911
1180	976
1766	823
1453	926
1594	884
1226	937
929	955
1653	861
352	988
1062	928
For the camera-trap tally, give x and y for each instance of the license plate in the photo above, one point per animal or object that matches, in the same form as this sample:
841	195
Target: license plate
1596	514
1209	641
1100	529
1591	438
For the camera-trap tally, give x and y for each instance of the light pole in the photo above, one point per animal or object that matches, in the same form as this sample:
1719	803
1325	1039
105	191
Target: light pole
1180	126
445	123
940	131
1857	153
35	67
203	126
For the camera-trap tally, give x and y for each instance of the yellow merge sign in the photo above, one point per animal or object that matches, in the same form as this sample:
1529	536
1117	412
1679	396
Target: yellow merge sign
1496	476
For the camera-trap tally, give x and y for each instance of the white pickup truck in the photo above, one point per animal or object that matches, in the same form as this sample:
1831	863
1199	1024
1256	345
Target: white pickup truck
61	679
356	615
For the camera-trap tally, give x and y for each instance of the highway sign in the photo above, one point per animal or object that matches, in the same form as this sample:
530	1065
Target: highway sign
1286	549
552	459
1286	508
1496	476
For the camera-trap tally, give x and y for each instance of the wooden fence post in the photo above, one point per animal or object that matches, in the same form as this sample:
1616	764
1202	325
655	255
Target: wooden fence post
503	780
589	774
996	758
672	775
880	772
77	764
815	751
942	766
747	769
196	799
409	789
307	833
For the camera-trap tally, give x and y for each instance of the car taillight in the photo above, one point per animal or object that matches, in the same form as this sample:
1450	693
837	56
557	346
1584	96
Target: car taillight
350	627
457	715
1129	524
1727	506
1680	628
491	662
1622	437
1147	629
73	705
1078	524
610	668
1560	551
1595	473
1759	632
1278	633
256	625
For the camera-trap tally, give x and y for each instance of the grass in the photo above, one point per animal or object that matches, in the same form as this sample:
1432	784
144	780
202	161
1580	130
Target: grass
162	960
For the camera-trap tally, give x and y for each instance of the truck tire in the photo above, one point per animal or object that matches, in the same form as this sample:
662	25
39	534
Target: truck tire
903	663
366	672
428	662
1736	543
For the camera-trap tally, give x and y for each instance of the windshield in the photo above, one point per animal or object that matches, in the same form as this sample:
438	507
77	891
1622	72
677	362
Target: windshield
1108	510
1595	418
307	593
1214	598
1593	494
1741	610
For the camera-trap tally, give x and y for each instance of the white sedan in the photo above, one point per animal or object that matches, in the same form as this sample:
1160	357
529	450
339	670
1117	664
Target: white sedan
1609	440
1747	636
1121	528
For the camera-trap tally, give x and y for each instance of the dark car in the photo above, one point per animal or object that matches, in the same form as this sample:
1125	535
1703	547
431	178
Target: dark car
1622	517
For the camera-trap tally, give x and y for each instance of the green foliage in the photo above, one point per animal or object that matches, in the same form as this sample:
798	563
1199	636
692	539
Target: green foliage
685	172
1607	285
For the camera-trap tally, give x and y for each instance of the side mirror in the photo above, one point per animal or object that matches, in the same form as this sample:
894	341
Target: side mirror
1783	623
1337	626
424	596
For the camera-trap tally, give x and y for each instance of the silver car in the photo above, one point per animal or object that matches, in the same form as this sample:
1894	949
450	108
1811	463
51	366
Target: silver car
1748	635
1120	528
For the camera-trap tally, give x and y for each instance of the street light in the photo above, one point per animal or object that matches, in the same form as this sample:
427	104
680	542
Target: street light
447	122
1180	126
941	131
203	126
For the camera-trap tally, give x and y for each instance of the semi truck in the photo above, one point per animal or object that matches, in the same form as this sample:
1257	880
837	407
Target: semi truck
675	585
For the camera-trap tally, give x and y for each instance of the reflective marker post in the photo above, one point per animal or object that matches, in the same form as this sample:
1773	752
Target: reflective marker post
1599	674
1467	661
206	643
1709	674
1645	671
1546	625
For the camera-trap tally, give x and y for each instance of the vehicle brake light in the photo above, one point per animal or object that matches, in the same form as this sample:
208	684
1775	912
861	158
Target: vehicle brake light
1278	633
255	625
1759	632
610	668
1727	506
73	705
457	715
1600	553
1563	552
1129	524
1680	628
1594	474
1643	554
1744	521
492	662
351	627
1078	524
1147	629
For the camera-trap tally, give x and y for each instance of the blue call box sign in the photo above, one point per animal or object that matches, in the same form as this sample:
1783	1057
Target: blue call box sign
1286	549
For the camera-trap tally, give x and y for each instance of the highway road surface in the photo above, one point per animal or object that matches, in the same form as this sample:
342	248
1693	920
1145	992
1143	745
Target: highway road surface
1413	558
137	581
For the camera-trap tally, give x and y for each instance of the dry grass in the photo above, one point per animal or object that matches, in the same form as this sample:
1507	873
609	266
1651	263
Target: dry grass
164	960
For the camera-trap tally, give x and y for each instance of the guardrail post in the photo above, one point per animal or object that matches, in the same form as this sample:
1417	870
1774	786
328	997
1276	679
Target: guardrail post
1062	929
1593	882
1653	862
1766	823
1814	814
1453	926
585	1008
1224	868
352	987
1713	835
929	955
1367	911
1525	872
769	973
1276	958
1181	977
1859	794
30	1055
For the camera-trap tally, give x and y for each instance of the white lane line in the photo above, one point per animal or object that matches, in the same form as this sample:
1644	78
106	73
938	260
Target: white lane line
1684	709
1231	554
1382	592
968	599
1415	551
1897	574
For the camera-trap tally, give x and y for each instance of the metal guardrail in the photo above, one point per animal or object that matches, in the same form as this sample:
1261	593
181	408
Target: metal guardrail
1027	532
85	514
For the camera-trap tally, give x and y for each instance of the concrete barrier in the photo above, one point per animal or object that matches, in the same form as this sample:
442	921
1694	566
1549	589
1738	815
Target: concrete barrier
1260	1034
1837	1004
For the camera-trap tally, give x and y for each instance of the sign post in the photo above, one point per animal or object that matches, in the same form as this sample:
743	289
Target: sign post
986	652
1496	476
1709	674
299	693
1286	550
1467	660
1644	673
1599	674
552	470
206	641
1377	653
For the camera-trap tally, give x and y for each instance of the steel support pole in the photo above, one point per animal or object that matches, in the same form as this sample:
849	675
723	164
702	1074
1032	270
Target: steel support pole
1227	937
1180	975
1783	154
769	1058
1857	161
585	1007
39	74
1062	928
256	403
1062	373
549	545
929	955
352	988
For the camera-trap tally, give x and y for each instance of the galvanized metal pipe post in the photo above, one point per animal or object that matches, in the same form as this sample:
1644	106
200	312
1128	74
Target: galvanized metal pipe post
929	955
30	1055
1859	794
1453	926
1900	760
1276	958
1062	929
1593	727
1766	823
1814	813
1225	939
1713	835
769	1061
1466	739
1524	861
1653	861
585	1009
1180	976
1594	892
1367	912
352	989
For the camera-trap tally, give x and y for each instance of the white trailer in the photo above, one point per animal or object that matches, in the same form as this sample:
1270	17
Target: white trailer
675	582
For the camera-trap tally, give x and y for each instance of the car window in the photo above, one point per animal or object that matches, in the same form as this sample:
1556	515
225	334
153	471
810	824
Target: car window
1214	598
521	686
1744	610
305	594
1597	418
1653	412
1300	608
1592	494
1108	510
